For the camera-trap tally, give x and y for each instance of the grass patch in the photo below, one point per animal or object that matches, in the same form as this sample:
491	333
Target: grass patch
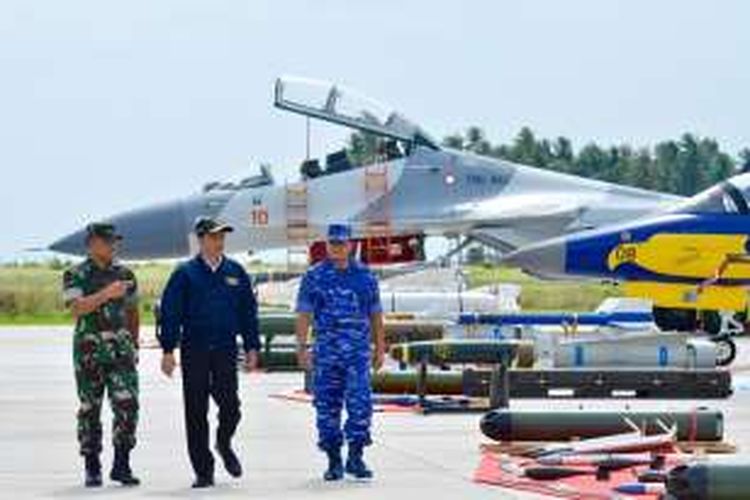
542	295
31	294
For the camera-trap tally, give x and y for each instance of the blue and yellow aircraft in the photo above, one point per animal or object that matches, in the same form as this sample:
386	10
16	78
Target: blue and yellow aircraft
694	255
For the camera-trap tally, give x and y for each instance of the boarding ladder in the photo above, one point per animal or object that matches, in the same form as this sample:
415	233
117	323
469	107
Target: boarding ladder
378	228
297	225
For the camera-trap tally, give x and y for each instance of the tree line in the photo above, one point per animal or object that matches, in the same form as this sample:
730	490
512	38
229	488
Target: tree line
684	166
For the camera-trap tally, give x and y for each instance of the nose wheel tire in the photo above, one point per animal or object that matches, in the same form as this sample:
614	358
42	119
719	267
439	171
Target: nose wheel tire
726	351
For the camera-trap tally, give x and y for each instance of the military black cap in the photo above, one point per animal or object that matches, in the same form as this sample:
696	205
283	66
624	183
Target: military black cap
209	225
103	230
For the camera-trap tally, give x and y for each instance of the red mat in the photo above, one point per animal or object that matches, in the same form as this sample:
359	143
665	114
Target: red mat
578	487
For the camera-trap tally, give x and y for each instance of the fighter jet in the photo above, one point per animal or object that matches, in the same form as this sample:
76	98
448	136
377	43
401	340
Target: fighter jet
692	256
415	188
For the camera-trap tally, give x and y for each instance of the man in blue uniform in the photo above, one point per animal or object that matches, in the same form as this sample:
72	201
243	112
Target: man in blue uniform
341	296
207	302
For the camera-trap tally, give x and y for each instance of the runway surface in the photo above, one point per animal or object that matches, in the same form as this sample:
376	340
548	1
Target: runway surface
414	456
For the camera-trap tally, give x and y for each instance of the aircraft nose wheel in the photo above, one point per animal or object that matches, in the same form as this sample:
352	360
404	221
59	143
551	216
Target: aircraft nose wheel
726	350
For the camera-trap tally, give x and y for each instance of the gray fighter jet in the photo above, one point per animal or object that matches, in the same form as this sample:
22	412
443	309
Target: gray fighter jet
415	188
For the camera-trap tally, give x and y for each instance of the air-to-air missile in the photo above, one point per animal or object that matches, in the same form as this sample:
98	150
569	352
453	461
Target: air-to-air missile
700	424
627	442
440	352
610	461
640	488
557	318
713	479
548	473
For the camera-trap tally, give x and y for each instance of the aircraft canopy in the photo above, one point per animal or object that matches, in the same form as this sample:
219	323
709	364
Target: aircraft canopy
337	104
729	197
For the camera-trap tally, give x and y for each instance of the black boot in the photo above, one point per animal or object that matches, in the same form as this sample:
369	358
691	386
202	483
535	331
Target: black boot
335	470
201	482
93	471
355	465
229	457
121	468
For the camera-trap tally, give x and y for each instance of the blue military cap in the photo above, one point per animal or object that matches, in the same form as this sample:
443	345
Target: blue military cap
339	233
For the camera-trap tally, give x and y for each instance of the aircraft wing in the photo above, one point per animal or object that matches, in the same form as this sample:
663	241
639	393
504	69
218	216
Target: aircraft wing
508	222
511	210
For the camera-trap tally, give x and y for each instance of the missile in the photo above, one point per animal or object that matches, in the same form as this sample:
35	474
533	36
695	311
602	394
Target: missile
700	424
640	488
546	473
440	352
610	461
628	442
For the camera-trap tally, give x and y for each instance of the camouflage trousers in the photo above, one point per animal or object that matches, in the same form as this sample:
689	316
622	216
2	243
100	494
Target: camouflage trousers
341	377
106	360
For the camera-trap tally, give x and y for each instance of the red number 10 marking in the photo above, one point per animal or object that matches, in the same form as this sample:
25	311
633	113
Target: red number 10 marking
259	217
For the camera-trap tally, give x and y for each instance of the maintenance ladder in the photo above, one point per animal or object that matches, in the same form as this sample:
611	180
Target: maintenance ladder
378	230
297	225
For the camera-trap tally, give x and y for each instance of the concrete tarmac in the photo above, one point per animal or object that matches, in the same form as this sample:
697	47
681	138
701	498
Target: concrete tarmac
414	456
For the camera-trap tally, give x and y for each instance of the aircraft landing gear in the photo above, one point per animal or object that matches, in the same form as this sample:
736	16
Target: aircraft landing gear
719	326
729	325
726	349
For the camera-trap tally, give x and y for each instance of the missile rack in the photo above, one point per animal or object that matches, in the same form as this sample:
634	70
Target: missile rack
597	383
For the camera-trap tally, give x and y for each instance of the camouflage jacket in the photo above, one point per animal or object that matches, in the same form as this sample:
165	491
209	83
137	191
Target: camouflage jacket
88	278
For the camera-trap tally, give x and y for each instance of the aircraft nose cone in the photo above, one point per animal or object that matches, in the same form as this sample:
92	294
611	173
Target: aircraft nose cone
544	259
159	231
72	244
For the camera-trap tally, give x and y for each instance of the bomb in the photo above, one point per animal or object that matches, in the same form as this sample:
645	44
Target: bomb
715	479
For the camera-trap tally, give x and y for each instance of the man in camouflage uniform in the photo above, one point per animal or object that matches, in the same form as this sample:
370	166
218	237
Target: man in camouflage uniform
102	296
343	299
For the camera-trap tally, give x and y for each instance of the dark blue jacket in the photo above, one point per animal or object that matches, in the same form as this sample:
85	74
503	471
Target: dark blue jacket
206	310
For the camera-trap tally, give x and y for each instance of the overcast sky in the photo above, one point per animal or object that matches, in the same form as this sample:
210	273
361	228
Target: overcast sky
105	106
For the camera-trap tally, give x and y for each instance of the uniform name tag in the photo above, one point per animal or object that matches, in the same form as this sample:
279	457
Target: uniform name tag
232	281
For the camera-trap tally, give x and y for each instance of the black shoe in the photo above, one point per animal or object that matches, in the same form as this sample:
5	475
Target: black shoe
203	482
121	469
335	471
355	464
93	471
231	462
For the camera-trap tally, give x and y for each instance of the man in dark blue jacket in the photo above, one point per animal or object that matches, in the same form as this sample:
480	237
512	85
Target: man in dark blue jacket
207	302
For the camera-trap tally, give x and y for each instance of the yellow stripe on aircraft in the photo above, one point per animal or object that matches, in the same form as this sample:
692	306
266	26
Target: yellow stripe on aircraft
681	296
685	255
